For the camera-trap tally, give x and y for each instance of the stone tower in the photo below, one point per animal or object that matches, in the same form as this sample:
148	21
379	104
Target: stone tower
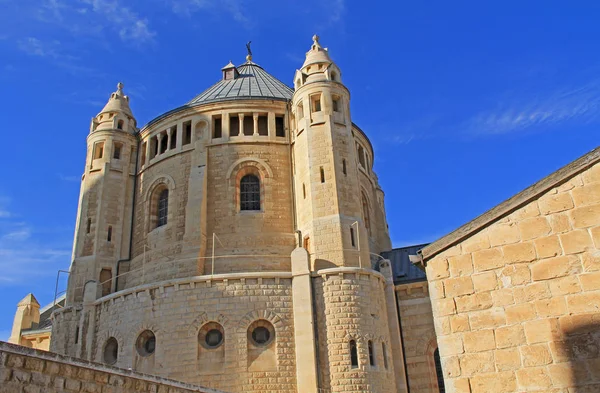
103	227
28	314
325	166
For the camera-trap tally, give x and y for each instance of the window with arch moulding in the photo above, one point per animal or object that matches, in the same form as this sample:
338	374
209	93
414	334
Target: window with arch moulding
371	353
353	354
250	193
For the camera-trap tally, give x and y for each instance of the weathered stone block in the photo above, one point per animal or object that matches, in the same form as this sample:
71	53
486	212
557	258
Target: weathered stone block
533	378
503	382
487	319
516	275
531	292
585	217
554	203
587	302
532	228
437	268
476	242
591	261
503	297
507	359
590	281
560	223
576	241
458	286
474	363
542	330
485	281
477	301
547	247
510	336
555	267
450	345
459	323
520	313
535	355
587	195
479	341
520	252
460	265
552	307
502	234
564	285
443	307
488	259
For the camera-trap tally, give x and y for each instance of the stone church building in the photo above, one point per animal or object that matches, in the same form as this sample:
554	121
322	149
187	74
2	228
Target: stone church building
239	242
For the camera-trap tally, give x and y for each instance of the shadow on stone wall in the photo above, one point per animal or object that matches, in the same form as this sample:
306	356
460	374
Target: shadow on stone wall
578	355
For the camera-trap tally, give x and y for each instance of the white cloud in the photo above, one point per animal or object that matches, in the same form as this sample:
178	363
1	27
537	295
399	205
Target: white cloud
580	104
19	234
35	47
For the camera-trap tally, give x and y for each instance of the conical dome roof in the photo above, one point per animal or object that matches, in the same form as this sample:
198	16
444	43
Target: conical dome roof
316	54
118	102
251	82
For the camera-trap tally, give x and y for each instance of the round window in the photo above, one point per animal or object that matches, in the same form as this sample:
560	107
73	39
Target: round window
146	343
211	335
214	338
261	333
111	351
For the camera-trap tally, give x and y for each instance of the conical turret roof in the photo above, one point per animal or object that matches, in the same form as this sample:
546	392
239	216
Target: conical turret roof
253	82
118	102
316	54
28	300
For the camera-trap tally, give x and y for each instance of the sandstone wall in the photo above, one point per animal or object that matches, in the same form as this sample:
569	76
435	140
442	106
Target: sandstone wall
350	305
418	336
176	312
33	371
517	304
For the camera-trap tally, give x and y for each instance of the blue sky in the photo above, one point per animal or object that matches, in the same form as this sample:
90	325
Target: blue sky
466	103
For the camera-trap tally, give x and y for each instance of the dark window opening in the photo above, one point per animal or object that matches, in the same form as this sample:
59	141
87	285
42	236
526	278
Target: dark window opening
279	128
164	143
154	147
384	353
361	156
187	133
366	216
163	208
89	225
117	151
307	244
261	335
106	281
76	334
352	241
344	167
249	193
322	175
234	126
248	125
111	351
438	370
353	354
371	354
98	150
143	161
120	125
335	103
217	128
316	103
109	234
304	190
214	338
263	125
173	138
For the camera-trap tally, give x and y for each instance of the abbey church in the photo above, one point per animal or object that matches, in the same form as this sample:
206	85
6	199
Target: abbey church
239	242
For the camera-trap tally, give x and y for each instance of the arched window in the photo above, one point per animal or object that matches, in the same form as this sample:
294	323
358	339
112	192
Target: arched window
163	208
366	218
353	354
371	354
249	193
438	370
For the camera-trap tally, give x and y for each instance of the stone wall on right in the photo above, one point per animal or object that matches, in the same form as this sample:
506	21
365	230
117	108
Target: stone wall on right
516	293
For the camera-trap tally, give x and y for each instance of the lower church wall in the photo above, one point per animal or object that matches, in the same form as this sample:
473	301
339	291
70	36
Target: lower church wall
181	312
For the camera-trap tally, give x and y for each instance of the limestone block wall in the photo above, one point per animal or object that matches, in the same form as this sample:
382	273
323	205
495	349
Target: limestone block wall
28	370
176	312
418	336
350	306
516	305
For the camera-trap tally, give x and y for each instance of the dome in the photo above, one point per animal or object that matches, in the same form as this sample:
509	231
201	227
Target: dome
316	54
118	102
250	82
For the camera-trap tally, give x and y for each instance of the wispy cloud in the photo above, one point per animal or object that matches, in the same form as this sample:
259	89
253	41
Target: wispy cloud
581	104
234	8
35	47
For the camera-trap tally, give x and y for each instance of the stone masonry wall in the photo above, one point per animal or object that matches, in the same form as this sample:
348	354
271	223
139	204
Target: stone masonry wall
418	336
176	311
33	371
517	305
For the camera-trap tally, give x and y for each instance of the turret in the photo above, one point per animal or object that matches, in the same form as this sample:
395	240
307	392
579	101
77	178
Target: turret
26	317
103	227
326	180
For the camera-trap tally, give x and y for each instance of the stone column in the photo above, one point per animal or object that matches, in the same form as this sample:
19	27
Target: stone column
169	132
255	118
241	126
304	329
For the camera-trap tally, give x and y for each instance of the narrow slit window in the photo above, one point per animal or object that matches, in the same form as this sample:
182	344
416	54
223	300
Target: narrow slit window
154	146
279	127
117	151
187	133
300	111
353	354
361	156
143	160
248	125
217	128
89	225
316	103
371	353
109	234
384	353
335	103
344	167
234	125
250	193
120	124
352	240
322	175
76	334
304	190
173	137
